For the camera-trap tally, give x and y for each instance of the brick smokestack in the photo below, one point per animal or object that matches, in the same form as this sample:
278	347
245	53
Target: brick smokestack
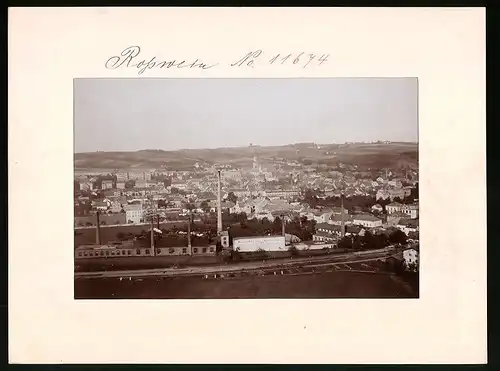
98	229
283	225
189	234
219	204
342	223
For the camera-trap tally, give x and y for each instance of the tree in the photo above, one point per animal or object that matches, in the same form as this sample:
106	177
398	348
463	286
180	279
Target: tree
357	242
368	240
345	243
398	237
204	206
232	197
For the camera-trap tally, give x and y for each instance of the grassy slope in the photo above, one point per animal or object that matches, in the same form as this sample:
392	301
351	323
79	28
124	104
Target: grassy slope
363	153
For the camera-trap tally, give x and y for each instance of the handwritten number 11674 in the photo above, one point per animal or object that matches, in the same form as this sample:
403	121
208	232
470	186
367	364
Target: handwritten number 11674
303	59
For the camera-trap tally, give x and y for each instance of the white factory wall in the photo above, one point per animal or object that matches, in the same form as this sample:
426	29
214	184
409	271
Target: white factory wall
274	243
316	246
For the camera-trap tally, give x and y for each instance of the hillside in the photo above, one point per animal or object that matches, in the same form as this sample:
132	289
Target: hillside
376	154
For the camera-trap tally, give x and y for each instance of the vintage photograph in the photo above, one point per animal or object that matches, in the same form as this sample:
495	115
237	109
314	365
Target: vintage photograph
246	188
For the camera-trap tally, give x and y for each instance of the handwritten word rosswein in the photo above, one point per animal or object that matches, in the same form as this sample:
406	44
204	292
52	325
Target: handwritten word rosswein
129	58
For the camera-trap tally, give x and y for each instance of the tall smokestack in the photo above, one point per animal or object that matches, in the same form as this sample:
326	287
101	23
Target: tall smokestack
219	204
342	224
98	230
283	225
189	234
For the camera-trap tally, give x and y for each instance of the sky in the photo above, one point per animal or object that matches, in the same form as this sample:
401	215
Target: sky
169	114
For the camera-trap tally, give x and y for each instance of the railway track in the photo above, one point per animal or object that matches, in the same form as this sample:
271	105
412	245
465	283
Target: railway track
335	263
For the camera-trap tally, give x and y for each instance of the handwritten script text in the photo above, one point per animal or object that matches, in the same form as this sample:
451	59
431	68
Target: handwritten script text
129	58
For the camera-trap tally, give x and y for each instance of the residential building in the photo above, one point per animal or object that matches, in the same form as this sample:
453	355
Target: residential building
135	176
326	233
287	193
121	177
377	208
366	220
134	213
394	218
410	255
120	185
394	207
106	184
336	219
408	226
410	210
86	186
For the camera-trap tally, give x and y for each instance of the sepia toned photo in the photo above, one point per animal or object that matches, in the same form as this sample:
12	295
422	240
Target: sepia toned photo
246	188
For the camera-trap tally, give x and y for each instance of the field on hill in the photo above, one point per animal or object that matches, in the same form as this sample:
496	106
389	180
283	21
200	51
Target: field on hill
376	154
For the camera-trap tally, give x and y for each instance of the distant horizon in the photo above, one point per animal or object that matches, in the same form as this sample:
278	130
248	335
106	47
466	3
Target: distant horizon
248	146
125	115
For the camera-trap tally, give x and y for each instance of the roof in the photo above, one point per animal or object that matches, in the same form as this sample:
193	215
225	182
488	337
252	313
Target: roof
324	234
415	247
207	196
411	223
352	229
256	237
133	207
330	227
365	217
397	215
395	204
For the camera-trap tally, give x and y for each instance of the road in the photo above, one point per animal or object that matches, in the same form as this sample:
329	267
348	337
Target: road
357	257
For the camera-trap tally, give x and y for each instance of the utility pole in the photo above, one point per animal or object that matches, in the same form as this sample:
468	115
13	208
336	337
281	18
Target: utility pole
153	237
98	229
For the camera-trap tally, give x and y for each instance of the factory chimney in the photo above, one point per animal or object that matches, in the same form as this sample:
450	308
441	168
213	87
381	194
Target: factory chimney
98	230
283	225
342	223
219	205
189	235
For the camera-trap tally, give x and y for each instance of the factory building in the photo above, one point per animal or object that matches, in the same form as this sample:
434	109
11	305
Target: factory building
266	243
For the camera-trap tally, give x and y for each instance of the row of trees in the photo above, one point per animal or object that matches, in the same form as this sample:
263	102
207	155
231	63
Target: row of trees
361	202
371	241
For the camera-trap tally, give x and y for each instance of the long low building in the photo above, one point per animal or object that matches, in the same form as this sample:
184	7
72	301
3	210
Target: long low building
266	243
110	251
